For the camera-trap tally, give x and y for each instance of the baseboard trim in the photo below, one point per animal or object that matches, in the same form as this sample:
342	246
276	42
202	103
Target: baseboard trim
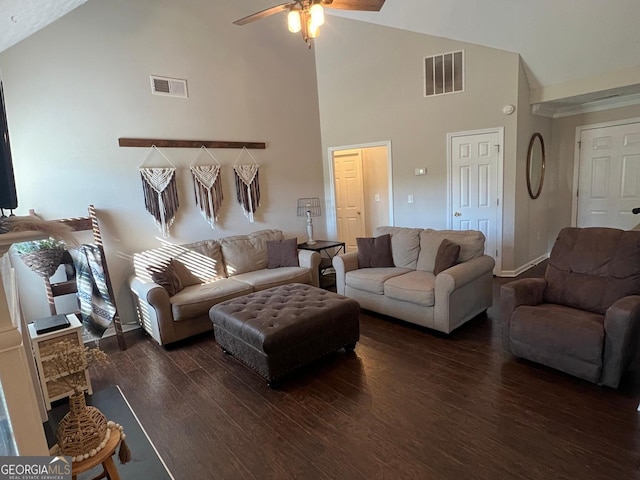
126	327
523	268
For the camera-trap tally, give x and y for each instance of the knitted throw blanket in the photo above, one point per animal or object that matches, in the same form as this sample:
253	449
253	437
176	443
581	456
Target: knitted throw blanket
96	305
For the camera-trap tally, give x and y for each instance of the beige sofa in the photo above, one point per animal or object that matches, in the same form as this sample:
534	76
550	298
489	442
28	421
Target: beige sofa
218	270
410	291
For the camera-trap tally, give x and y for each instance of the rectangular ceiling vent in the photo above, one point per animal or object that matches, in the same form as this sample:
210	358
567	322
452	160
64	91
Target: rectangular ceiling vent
170	87
444	74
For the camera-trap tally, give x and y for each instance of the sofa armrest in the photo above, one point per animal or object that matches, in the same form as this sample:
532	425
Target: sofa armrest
526	291
461	292
153	309
310	259
463	273
621	327
342	264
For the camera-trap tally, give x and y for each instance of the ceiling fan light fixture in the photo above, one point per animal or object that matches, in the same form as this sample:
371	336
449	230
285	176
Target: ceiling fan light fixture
293	21
312	29
307	16
317	14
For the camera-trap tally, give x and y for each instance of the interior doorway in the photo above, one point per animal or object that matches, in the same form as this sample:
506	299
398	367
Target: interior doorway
360	198
607	175
474	184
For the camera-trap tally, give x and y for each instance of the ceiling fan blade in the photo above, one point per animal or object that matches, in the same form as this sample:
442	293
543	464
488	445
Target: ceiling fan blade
264	13
364	5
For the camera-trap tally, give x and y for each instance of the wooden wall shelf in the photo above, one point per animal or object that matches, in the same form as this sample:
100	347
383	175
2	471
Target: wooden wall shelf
164	143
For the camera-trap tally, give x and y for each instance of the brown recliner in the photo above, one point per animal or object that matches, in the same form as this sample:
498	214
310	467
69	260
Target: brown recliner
583	317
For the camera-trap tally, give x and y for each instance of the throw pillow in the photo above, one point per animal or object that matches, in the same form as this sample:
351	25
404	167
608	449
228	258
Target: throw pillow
166	276
186	276
282	253
446	256
374	252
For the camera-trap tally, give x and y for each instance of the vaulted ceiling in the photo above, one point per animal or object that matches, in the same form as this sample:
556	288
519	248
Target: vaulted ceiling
559	41
21	18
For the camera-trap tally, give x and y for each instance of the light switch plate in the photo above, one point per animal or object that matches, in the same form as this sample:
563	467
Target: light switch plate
410	199
421	171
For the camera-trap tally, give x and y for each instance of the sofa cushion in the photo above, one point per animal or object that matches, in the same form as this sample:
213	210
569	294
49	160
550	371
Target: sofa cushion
446	256
414	287
267	278
246	253
203	259
282	253
591	268
374	252
196	300
471	246
372	279
551	330
405	245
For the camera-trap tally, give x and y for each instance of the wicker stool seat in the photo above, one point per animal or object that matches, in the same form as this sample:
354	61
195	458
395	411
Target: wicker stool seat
277	330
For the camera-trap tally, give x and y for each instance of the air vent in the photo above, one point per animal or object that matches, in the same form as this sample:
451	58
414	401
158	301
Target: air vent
444	74
171	87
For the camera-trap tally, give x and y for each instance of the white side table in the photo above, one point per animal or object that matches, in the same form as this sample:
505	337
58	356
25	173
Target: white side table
52	388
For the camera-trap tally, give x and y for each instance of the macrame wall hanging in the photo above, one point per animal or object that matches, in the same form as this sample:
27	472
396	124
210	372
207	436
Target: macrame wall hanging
160	192
207	186
247	185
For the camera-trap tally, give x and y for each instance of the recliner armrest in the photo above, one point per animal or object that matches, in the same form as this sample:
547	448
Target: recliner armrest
621	329
342	264
526	291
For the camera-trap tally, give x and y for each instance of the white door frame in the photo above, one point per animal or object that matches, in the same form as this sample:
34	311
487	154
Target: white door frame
332	226
500	180
576	160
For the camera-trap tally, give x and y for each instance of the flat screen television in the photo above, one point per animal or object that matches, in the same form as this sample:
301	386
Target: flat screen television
8	195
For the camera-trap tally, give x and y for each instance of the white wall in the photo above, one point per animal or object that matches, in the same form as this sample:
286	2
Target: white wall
531	235
75	87
370	89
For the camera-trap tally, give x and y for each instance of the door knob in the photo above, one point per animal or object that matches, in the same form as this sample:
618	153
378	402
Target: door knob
457	214
358	213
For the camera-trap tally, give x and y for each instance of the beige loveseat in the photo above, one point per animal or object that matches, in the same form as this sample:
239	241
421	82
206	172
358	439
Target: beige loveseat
216	270
410	291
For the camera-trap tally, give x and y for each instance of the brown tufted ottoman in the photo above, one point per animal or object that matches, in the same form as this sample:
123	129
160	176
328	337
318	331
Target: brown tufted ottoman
277	330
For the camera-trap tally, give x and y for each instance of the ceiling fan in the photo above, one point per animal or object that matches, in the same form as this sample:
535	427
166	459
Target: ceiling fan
306	16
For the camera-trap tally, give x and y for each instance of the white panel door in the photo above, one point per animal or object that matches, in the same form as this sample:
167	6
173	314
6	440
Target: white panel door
474	185
347	172
609	177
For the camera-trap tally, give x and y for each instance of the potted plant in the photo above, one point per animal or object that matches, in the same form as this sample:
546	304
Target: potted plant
84	431
42	256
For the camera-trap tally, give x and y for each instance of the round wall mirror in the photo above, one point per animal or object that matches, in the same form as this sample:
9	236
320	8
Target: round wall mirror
535	165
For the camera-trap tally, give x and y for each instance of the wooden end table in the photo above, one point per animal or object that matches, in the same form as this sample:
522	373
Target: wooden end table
103	457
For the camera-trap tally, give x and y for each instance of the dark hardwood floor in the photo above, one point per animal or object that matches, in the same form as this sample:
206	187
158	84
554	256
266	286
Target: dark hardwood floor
409	403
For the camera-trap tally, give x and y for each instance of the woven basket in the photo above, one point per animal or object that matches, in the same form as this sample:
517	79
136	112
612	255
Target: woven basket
44	262
82	429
